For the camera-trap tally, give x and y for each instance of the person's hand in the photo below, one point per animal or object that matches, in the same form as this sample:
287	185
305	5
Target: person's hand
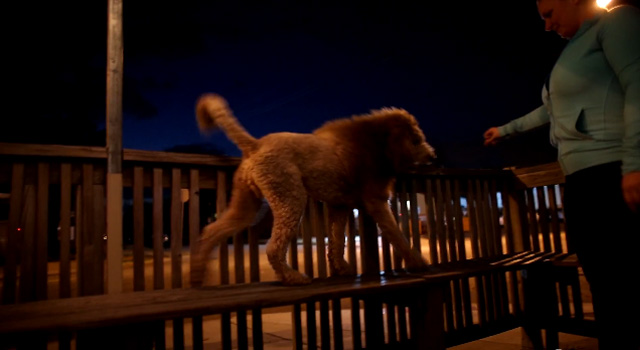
492	136
631	190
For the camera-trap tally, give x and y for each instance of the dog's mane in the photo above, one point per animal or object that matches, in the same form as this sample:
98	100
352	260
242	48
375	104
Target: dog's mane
377	121
364	140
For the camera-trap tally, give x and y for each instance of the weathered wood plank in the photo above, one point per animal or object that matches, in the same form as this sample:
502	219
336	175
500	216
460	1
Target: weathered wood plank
87	242
494	217
158	230
42	228
441	236
555	220
481	201
296	312
373	322
296	325
307	245
351	242
318	224
138	229
223	257
431	222
459	227
312	326
221	206
27	256
336	313
38	150
448	219
14	235
415	220
404	220
369	255
532	219
427	326
254	276
65	230
194	214
197	334
489	233
241	315
513	231
507	218
98	235
176	216
472	212
194	235
322	227
370	258
543	219
386	249
356	327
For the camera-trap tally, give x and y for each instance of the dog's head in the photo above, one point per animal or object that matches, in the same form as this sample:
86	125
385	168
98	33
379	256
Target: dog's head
407	144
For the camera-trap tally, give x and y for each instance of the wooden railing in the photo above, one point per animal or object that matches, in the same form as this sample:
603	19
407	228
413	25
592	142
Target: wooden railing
56	211
505	212
54	245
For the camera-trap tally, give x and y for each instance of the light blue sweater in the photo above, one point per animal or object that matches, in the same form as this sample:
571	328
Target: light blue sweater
593	96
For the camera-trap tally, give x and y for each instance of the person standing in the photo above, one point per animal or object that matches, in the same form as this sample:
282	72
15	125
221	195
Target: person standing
591	100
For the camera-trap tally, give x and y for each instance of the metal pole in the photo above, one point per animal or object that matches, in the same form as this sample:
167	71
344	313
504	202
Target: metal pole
114	146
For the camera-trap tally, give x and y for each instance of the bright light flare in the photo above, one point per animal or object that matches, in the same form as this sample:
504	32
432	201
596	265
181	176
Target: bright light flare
603	3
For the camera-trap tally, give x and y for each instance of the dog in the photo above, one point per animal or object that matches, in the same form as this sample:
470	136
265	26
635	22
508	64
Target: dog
347	163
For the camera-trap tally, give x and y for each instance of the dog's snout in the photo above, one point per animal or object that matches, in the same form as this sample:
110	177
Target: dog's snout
429	153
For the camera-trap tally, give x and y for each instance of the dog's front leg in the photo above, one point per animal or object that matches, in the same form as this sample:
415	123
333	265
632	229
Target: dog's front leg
338	266
382	214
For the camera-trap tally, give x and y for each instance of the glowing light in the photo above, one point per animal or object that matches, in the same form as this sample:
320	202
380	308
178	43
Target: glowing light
603	3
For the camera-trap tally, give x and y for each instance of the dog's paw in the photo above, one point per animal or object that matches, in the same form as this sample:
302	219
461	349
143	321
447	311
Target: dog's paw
197	270
417	264
295	278
197	278
418	268
342	268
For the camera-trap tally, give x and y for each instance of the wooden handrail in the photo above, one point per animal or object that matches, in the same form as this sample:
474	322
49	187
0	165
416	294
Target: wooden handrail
539	175
430	170
41	150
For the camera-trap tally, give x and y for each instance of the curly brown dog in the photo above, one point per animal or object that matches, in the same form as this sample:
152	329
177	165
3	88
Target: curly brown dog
347	163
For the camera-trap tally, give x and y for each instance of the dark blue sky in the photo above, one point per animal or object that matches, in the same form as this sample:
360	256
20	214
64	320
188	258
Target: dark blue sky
459	67
289	67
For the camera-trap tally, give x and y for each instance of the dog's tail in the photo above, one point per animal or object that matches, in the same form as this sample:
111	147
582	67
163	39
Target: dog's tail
212	111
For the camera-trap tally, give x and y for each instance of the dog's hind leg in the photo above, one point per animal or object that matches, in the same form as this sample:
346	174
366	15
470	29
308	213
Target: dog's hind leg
240	214
287	208
382	214
338	266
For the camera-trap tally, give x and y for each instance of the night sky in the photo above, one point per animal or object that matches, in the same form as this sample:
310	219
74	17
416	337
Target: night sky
459	67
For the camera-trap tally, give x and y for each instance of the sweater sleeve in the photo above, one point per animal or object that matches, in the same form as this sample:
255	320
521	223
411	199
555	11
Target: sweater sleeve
621	45
531	120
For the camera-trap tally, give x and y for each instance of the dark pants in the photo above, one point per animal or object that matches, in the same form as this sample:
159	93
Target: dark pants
605	234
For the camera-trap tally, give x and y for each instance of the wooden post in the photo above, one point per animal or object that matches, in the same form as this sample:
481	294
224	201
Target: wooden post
114	147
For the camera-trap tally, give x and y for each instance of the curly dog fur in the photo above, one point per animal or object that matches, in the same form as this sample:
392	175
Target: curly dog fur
347	163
